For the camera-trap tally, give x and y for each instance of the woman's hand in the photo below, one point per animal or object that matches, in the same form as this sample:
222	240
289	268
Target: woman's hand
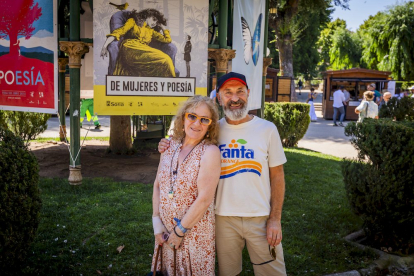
104	52
159	238
163	145
174	241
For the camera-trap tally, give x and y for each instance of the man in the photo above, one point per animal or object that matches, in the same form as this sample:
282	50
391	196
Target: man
377	97
251	190
300	85
187	54
386	97
347	96
338	105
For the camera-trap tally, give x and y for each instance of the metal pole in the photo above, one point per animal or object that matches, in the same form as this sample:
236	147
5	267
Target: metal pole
74	85
260	112
222	28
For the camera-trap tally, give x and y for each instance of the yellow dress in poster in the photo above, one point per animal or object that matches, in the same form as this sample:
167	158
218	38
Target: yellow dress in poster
136	57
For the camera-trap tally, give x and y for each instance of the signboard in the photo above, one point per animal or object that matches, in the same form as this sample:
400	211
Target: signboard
28	56
248	37
149	55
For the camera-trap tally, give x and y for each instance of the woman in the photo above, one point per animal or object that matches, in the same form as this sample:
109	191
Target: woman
136	57
367	108
312	112
184	189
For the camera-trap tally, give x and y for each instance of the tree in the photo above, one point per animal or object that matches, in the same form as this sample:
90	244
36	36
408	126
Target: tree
325	42
17	18
346	50
390	41
283	22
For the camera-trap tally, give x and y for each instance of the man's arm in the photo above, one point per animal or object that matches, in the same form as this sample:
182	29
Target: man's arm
277	186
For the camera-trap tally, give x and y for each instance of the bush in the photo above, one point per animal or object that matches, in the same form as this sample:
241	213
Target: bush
19	201
400	109
291	119
380	184
27	125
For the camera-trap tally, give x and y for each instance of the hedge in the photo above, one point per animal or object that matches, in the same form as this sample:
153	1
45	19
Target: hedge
291	119
20	201
380	183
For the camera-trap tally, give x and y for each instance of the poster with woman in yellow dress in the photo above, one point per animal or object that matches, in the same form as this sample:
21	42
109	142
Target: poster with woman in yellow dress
139	67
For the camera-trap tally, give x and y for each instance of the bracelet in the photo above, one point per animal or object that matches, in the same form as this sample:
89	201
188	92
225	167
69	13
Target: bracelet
177	234
180	226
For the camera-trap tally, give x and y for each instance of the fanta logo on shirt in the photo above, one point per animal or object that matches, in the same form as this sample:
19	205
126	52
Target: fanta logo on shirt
234	151
231	154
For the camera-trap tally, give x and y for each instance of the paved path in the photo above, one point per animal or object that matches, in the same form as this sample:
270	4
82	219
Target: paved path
321	135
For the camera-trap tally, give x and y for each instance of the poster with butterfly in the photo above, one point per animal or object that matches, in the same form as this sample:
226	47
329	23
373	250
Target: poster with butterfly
248	36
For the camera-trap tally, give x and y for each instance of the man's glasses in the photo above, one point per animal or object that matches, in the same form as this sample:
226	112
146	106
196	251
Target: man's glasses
193	118
272	251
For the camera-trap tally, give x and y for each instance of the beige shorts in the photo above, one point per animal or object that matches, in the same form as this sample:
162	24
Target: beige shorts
233	233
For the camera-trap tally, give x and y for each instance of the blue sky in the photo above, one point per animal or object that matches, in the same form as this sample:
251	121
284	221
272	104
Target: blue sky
360	10
45	22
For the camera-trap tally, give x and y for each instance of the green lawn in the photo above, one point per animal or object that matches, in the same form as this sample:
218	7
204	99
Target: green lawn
82	226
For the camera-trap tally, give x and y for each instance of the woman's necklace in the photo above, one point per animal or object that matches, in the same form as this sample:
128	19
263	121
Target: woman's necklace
174	173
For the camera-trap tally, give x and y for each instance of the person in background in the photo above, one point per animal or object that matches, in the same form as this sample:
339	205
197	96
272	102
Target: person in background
385	98
338	105
346	102
377	95
86	109
300	85
187	54
412	91
398	94
311	97
368	108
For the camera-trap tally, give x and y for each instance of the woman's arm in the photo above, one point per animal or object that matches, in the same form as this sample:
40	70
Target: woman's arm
166	38
156	208
104	51
207	181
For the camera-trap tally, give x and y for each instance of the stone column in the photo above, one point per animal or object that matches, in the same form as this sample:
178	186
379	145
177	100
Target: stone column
221	58
267	61
62	105
75	50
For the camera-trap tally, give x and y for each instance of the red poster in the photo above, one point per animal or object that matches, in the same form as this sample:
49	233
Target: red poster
28	56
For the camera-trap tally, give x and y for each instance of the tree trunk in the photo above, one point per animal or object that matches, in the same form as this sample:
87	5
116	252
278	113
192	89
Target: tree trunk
120	140
13	40
286	63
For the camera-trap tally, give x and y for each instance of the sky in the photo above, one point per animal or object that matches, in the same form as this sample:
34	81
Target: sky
360	10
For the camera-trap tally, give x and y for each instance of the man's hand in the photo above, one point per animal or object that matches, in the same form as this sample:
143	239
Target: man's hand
163	145
274	232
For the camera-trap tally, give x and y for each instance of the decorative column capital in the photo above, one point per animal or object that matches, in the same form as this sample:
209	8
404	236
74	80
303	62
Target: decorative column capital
266	63
75	50
62	64
221	57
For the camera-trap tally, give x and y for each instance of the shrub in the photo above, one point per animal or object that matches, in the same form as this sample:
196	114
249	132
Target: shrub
291	119
380	183
27	125
400	109
19	201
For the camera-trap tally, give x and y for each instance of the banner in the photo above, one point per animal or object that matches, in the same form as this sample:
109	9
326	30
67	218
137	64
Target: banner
149	55
248	36
28	56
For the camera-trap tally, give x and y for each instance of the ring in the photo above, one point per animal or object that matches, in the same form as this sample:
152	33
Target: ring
171	245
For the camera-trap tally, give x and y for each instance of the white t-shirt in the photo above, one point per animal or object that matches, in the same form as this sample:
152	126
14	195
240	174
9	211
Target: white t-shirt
247	151
338	98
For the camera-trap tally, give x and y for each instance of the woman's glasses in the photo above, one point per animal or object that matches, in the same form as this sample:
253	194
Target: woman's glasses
193	118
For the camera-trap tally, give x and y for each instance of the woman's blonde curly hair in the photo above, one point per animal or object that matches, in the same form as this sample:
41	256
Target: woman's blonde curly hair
189	106
369	95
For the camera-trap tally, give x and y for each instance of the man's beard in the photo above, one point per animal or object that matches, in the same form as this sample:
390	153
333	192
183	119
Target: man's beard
237	114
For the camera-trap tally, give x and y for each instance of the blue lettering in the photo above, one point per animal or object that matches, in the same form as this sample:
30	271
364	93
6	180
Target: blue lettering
25	75
250	154
18	76
39	79
235	153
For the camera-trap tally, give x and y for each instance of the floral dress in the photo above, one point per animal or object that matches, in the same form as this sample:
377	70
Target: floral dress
136	57
196	255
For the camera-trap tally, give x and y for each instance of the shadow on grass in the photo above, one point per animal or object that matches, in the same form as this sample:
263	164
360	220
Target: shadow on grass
82	226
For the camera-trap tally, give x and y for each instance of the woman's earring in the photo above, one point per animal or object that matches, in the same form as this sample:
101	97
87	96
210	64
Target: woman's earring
208	134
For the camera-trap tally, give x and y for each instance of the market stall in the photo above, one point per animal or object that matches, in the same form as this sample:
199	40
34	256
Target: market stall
355	81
